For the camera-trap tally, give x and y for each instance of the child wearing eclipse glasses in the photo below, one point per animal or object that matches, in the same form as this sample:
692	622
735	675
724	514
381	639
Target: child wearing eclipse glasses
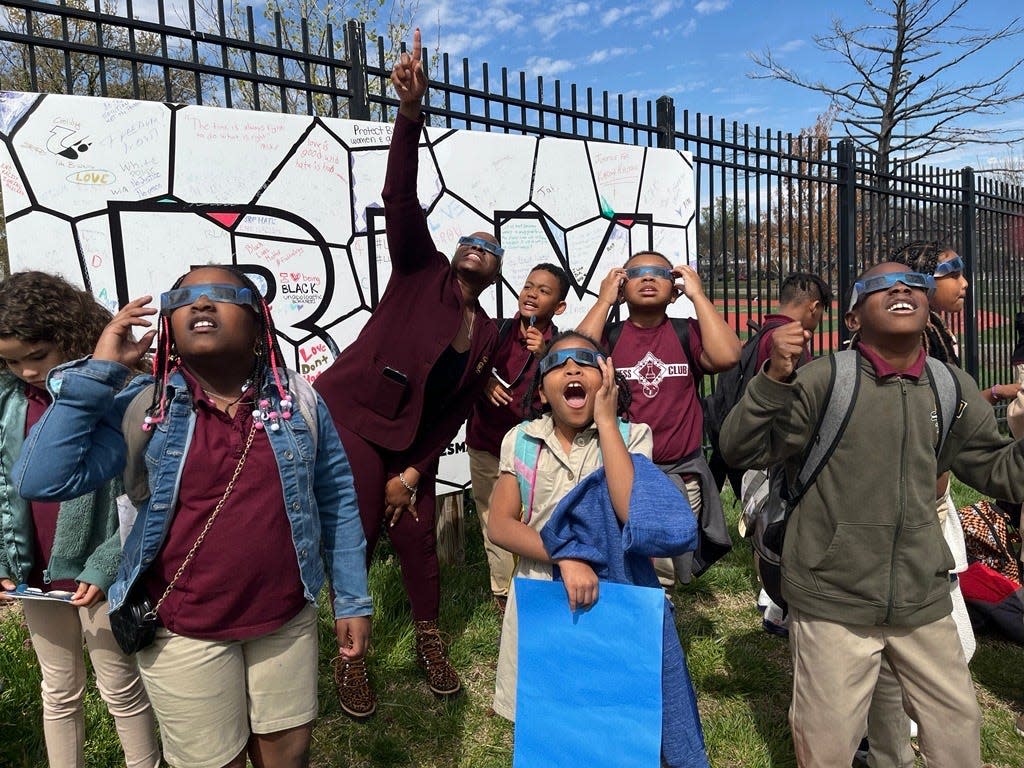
247	507
663	360
578	432
865	568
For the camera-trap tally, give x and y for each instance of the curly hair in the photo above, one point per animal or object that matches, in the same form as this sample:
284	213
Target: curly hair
530	399
40	307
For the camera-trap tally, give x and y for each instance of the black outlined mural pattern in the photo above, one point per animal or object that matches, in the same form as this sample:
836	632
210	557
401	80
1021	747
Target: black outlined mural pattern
122	196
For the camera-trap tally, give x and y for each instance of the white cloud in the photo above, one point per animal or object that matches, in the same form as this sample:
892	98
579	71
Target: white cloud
603	54
613	15
660	9
459	44
544	66
560	19
705	7
790	45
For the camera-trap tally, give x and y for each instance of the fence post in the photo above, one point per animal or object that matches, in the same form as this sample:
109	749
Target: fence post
666	119
847	257
969	251
355	44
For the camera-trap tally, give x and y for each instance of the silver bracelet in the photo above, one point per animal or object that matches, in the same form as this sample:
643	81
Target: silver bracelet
410	488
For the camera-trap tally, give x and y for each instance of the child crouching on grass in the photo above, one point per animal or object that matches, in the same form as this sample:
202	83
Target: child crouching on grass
579	434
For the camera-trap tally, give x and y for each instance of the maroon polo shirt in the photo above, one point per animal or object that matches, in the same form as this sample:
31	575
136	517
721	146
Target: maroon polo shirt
516	365
44	513
244	580
884	370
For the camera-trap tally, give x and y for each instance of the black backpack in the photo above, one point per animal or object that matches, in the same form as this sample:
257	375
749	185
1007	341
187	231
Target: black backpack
729	388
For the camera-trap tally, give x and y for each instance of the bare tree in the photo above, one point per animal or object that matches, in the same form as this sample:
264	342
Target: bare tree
902	99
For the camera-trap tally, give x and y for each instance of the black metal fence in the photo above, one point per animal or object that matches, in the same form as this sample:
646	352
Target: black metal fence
769	202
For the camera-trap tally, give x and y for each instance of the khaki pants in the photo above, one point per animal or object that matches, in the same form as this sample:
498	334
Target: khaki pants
665	566
836	666
483	471
56	630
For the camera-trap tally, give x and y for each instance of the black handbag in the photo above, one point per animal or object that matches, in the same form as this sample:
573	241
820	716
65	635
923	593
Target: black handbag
133	623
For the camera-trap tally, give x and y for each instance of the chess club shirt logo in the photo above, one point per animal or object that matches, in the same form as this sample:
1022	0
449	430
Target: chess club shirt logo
651	371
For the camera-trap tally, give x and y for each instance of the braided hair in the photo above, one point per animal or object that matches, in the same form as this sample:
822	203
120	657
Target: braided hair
923	256
530	399
269	359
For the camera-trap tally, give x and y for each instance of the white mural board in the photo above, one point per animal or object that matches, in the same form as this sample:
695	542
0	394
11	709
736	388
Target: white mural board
121	197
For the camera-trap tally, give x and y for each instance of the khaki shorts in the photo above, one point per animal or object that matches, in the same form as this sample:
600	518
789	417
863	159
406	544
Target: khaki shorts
209	695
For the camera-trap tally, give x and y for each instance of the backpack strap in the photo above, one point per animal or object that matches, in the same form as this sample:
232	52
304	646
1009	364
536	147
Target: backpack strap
136	475
505	326
844	383
946	389
526	458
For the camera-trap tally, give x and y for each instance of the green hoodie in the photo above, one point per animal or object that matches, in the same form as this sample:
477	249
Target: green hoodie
864	545
86	546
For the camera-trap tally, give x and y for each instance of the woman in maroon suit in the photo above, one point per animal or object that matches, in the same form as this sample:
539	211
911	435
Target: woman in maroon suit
400	392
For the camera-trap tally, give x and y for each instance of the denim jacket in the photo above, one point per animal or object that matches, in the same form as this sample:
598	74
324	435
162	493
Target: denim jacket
78	445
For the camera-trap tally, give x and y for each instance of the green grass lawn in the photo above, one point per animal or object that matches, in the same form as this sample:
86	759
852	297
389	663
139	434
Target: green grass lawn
742	676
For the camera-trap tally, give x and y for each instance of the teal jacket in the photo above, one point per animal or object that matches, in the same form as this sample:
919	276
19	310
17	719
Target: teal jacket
87	545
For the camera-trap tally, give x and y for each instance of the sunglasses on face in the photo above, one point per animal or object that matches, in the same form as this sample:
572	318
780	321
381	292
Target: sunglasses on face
953	266
634	272
876	283
484	245
224	294
581	355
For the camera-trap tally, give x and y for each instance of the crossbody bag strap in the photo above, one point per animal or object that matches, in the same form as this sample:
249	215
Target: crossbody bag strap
209	523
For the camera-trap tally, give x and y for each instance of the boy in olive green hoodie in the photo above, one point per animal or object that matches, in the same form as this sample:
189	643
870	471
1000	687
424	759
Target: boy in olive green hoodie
864	563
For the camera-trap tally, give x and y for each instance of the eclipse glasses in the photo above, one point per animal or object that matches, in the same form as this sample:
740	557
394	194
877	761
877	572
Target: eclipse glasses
219	292
876	283
484	245
581	355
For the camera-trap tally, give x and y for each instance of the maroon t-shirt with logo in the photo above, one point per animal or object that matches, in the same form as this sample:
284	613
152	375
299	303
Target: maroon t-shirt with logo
663	385
44	513
244	581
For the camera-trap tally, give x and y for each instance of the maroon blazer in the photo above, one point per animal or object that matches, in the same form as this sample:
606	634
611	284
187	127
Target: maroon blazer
375	388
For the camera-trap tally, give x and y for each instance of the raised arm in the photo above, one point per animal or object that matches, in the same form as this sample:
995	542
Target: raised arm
593	324
77	444
618	466
721	345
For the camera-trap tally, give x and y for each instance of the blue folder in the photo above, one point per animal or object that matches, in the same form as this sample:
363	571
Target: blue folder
589	686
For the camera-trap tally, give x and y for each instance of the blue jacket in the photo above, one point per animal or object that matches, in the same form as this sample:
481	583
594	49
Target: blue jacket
78	445
584	527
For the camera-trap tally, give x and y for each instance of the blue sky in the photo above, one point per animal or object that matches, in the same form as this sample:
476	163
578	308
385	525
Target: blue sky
696	51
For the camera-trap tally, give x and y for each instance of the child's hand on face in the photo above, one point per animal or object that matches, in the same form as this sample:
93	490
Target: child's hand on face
117	342
496	392
611	286
606	402
788	344
691	285
580	583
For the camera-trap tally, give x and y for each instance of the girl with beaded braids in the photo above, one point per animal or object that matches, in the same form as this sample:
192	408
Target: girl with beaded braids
248	496
72	547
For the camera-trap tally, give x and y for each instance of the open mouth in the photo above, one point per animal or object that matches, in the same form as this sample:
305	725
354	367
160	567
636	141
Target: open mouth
529	305
575	394
901	307
202	325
